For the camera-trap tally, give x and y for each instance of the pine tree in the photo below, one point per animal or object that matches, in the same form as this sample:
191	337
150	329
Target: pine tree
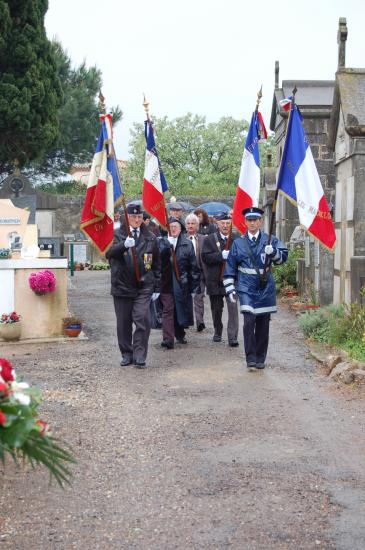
30	89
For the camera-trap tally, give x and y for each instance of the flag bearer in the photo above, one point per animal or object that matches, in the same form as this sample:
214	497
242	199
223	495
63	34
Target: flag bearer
132	298
244	276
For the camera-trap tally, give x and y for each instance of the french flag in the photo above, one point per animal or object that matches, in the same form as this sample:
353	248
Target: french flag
248	188
103	191
154	182
299	180
285	103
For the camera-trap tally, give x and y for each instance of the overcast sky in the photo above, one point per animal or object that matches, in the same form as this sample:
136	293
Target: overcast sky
205	57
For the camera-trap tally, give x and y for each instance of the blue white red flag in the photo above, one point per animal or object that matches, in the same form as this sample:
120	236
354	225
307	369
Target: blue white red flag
248	188
299	181
103	192
154	181
285	103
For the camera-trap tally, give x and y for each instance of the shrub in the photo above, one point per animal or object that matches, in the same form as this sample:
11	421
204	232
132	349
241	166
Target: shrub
286	274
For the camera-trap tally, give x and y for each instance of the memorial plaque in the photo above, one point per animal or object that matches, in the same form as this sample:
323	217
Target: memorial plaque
80	253
13	223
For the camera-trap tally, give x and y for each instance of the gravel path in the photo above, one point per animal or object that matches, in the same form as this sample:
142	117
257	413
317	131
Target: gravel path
192	453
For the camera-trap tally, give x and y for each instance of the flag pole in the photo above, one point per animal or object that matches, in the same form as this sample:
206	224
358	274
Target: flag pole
229	240
274	204
111	152
146	106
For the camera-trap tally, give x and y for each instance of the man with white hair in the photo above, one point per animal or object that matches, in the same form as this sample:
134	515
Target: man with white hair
192	228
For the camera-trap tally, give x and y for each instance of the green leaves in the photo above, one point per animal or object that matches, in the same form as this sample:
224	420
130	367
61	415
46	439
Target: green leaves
30	89
197	157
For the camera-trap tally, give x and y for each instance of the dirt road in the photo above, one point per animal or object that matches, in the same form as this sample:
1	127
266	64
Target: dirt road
192	453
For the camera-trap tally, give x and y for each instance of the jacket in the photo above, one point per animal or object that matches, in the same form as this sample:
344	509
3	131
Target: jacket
189	276
213	260
123	278
240	273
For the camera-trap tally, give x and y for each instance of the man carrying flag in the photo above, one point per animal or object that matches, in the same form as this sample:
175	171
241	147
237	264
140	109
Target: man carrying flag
248	188
103	191
299	181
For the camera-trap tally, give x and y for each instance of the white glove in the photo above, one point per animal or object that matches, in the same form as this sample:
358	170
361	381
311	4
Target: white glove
232	297
193	294
269	249
172	240
154	296
225	254
129	242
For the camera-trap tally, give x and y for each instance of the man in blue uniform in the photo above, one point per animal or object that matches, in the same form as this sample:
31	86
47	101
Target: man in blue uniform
244	276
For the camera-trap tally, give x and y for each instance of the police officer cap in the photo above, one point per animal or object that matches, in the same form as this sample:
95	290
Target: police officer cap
222	216
172	220
134	208
175	206
253	212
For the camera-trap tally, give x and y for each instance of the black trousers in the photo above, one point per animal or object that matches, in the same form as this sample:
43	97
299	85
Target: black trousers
256	336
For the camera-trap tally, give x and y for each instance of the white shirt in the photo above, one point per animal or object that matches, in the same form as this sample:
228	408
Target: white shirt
194	239
134	229
224	237
256	235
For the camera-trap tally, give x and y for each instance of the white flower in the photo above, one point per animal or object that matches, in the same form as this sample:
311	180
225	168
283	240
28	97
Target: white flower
21	398
19	386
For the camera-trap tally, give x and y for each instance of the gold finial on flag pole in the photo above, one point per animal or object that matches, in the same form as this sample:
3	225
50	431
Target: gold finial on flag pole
259	96
101	105
146	105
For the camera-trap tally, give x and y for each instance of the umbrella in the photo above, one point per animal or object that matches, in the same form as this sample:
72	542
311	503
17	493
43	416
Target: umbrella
214	208
187	206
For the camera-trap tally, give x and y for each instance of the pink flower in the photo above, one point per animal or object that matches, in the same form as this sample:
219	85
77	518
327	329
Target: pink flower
6	370
42	281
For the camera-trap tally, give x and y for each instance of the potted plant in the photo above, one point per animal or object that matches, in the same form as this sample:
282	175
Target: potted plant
42	282
10	326
72	326
289	291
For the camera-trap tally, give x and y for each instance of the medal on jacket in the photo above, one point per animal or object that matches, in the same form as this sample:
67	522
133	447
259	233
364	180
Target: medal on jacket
147	261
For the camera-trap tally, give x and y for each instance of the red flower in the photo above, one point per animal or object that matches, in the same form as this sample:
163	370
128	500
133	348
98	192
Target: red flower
2	419
44	427
6	370
4	389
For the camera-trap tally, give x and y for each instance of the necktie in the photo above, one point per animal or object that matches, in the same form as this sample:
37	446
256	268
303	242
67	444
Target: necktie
135	234
254	239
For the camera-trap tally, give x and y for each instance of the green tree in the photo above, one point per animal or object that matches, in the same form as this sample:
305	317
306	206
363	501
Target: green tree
78	116
197	158
30	89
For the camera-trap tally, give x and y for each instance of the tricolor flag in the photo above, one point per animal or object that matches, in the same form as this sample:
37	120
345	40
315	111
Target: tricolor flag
299	181
154	182
103	191
285	103
248	188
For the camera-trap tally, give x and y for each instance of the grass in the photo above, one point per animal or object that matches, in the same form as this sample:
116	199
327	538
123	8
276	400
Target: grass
341	326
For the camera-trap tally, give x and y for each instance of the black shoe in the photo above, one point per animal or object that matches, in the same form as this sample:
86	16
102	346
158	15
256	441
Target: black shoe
217	338
167	344
140	364
200	327
251	366
125	362
260	365
182	340
233	344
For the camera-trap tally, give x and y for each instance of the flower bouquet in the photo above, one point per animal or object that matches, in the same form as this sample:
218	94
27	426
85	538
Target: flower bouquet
42	282
10	326
22	434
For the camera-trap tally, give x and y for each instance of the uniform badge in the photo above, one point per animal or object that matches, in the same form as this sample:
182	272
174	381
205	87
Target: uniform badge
147	261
